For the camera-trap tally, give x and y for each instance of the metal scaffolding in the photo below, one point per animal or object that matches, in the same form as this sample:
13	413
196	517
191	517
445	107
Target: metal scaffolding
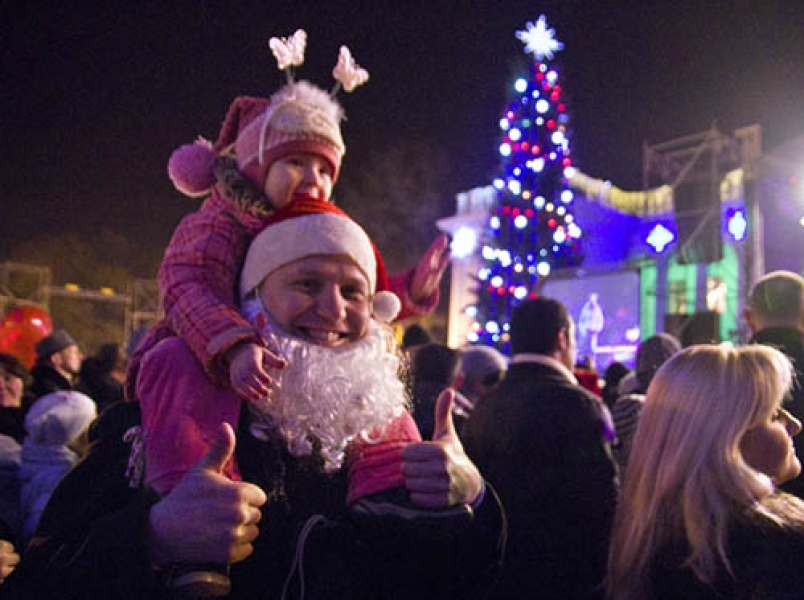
31	285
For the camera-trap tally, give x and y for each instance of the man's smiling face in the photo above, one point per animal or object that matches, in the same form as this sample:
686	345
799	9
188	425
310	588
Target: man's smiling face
324	300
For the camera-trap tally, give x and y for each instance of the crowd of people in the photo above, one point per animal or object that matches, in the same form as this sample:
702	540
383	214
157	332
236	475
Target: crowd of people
45	416
524	484
269	438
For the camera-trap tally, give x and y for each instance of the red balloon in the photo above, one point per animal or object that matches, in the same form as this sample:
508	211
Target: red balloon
21	329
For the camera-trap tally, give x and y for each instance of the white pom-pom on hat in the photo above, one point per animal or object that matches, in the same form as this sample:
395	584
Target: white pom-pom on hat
386	306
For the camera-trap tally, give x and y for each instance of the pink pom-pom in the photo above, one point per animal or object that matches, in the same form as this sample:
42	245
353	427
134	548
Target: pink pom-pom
191	168
386	306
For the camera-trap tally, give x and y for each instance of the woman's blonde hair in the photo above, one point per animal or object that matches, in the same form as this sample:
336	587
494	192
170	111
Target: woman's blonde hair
686	478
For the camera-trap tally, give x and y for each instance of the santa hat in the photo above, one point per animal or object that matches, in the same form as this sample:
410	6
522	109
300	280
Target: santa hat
310	227
59	418
299	118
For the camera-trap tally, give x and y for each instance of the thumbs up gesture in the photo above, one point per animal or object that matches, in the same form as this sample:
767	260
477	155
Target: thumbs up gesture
438	473
207	518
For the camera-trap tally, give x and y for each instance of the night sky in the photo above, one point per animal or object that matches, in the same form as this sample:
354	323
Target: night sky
95	96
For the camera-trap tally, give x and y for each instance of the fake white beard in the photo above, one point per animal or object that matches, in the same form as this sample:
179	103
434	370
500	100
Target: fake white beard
328	396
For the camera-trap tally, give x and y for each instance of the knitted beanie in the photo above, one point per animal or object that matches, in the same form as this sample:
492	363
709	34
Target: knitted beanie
55	342
310	227
59	418
299	118
481	361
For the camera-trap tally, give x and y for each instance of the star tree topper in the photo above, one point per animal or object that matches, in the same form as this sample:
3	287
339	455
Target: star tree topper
539	39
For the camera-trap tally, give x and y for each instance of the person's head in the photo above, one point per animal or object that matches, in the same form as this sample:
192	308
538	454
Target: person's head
483	369
713	438
437	364
313	282
14	378
60	418
415	337
111	356
111	359
708	401
287	146
60	351
652	354
317	274
776	300
543	326
615	372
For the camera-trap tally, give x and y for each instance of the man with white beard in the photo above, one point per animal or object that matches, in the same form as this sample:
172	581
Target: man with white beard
278	516
312	283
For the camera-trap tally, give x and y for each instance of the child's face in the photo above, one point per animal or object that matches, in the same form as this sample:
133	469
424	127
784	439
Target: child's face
297	175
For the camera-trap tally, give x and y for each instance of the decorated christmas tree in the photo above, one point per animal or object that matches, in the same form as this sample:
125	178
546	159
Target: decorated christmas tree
531	229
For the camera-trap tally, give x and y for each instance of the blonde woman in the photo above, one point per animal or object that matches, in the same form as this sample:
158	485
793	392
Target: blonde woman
700	515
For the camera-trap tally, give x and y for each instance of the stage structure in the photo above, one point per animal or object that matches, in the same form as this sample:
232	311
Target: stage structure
677	256
32	285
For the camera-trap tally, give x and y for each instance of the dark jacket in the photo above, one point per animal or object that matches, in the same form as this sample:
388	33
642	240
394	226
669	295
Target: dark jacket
790	341
96	381
91	539
539	440
46	380
766	562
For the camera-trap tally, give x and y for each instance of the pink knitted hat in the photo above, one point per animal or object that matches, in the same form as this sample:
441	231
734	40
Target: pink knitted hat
299	118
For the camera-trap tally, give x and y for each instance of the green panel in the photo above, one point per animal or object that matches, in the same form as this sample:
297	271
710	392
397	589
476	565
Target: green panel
647	299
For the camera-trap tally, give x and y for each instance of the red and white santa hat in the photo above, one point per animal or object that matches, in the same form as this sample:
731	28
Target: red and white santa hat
299	118
310	227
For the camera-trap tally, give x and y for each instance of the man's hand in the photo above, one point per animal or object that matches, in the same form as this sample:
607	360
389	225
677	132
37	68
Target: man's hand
207	518
439	474
427	275
248	370
8	559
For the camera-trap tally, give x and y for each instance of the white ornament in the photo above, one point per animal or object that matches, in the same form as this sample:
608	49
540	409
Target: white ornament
347	72
289	52
539	40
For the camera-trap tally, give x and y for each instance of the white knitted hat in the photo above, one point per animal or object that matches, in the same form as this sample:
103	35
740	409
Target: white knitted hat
60	417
